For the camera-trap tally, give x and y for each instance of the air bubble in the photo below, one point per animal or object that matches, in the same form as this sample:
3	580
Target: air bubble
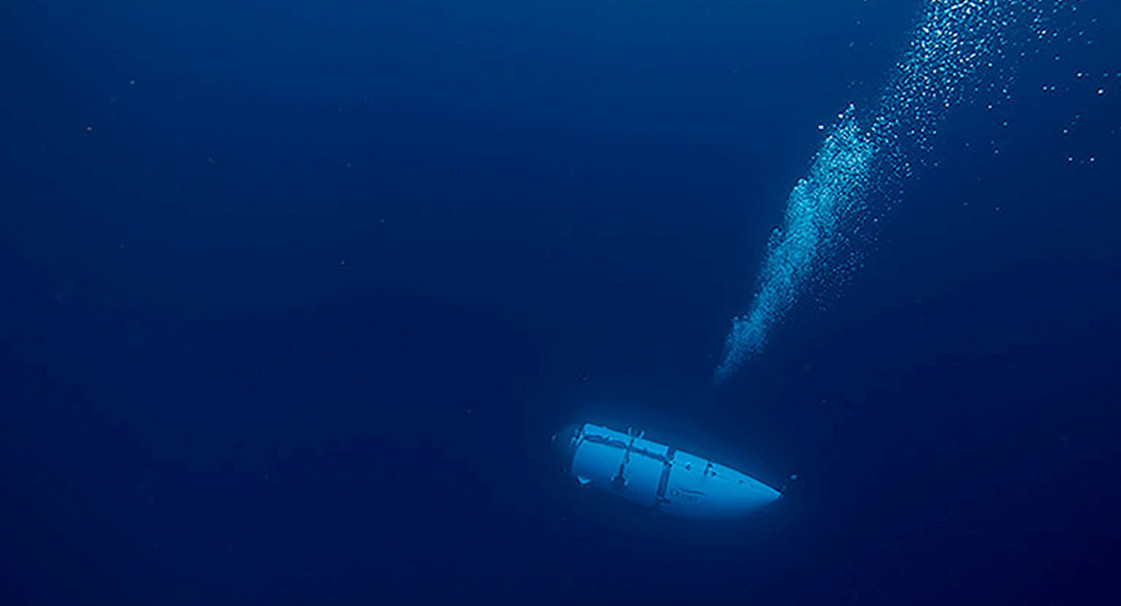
828	210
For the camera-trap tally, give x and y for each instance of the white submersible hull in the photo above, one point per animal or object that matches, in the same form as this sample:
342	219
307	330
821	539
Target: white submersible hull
658	476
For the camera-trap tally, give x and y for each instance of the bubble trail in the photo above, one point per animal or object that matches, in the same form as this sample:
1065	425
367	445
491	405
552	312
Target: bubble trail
858	163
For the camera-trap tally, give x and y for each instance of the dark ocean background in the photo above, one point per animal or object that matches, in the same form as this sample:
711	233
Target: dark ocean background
295	294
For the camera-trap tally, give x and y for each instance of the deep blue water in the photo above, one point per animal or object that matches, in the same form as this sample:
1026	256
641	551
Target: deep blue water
297	293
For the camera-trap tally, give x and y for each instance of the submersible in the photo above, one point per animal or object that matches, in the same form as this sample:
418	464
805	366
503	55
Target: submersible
658	476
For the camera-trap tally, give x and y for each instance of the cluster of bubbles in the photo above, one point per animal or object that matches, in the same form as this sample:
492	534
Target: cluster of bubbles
817	213
959	49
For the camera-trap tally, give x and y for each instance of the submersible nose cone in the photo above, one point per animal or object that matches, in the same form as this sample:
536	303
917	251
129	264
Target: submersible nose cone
564	444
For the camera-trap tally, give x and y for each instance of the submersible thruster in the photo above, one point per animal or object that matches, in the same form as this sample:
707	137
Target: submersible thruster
658	476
